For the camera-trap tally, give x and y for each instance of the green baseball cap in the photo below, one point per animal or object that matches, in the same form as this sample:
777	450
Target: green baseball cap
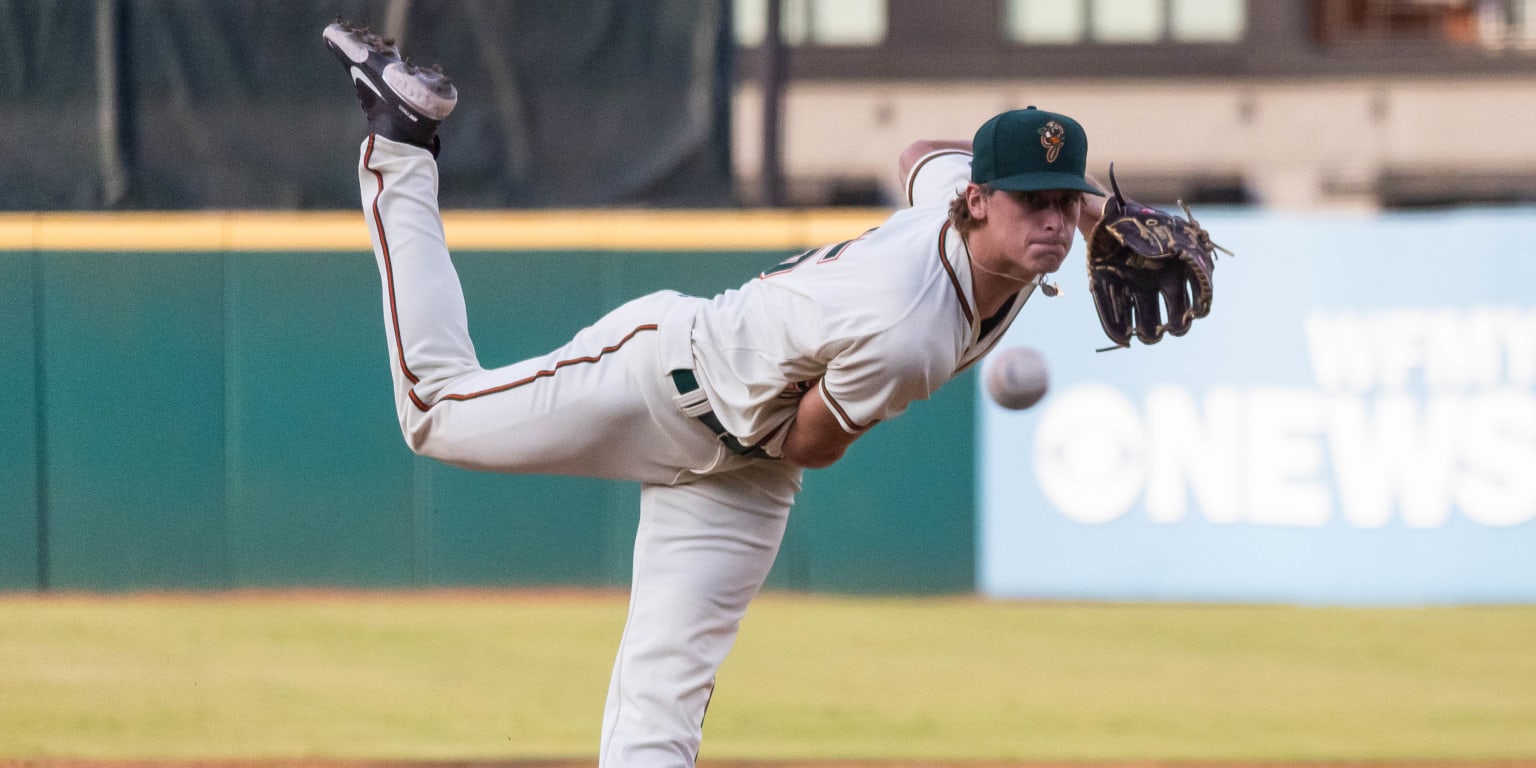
1031	150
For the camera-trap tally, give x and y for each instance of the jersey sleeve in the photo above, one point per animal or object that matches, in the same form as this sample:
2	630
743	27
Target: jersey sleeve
937	176
878	376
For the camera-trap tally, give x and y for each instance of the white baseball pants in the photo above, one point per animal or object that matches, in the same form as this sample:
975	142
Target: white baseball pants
603	405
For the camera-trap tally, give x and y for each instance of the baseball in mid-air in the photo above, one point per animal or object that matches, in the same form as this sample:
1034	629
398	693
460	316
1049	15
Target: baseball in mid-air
1017	377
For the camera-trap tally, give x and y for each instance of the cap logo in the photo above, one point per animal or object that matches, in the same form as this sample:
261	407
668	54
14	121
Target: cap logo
1053	137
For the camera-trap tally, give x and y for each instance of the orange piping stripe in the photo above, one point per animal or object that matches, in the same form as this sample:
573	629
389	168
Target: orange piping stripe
912	175
539	375
389	271
417	401
827	397
954	280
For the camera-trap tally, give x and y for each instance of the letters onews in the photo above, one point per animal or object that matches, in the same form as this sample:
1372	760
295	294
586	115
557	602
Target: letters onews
1418	418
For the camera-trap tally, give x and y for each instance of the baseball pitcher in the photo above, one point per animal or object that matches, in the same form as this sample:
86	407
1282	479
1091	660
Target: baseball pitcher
715	405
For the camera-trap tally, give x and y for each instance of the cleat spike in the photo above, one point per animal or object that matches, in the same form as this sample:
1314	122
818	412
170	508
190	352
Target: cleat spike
402	100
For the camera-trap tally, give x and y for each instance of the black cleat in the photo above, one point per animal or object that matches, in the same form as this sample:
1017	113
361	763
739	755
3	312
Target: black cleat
403	102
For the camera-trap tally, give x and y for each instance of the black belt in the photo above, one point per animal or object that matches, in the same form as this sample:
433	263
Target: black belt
687	383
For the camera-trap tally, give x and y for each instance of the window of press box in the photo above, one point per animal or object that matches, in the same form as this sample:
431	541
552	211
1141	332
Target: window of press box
1492	24
1074	22
814	22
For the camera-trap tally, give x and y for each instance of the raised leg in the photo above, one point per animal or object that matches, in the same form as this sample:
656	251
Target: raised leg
598	406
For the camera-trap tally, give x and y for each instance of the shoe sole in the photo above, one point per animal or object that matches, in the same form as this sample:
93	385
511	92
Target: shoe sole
371	60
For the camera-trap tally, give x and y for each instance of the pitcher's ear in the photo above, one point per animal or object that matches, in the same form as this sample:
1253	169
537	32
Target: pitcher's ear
976	200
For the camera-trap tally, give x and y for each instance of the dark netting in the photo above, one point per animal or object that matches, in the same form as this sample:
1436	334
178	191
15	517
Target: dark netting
236	105
48	154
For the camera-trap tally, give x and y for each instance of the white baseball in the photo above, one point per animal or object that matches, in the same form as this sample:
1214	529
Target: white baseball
1017	378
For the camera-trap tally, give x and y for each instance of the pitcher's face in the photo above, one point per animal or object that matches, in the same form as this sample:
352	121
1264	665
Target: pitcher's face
1032	231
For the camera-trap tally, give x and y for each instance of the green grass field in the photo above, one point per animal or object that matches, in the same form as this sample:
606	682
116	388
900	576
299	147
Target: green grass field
453	676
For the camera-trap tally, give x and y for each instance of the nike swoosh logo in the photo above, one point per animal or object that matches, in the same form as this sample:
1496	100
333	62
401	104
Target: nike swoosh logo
358	76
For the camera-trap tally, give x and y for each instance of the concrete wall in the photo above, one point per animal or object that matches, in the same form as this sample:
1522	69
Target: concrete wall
1298	144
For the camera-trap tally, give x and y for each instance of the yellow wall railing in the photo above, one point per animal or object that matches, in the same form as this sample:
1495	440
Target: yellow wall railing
627	229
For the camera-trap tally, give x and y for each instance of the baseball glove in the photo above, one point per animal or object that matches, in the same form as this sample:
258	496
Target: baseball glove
1136	254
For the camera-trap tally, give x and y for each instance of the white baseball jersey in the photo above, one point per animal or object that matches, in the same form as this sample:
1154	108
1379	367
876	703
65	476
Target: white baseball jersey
880	320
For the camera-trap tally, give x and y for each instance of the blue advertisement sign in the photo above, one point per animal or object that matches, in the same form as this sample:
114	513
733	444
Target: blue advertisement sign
1354	423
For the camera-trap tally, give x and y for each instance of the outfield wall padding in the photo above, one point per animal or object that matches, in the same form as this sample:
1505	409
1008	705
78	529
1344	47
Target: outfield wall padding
19	454
219	418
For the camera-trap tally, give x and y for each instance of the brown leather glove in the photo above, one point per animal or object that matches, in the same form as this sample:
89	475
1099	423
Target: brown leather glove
1136	254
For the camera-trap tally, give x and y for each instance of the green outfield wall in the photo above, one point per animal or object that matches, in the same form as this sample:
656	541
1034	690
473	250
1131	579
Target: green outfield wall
202	401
